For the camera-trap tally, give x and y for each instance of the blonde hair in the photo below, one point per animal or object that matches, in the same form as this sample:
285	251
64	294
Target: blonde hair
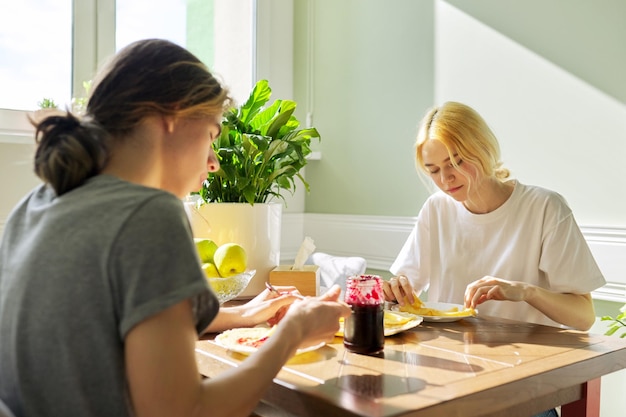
463	131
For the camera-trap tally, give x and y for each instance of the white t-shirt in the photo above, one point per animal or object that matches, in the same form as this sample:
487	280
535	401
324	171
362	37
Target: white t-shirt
533	237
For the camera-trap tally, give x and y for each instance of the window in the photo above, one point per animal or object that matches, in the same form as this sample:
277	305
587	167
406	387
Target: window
219	32
141	19
48	48
35	54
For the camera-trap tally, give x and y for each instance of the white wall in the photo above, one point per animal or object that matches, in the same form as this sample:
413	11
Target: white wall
274	57
555	129
16	161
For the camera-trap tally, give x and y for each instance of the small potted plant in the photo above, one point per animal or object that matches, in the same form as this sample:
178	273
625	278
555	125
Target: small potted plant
616	323
261	151
78	105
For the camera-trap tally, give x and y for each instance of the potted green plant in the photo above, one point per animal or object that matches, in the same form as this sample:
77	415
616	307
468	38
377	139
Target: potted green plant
262	151
616	323
78	104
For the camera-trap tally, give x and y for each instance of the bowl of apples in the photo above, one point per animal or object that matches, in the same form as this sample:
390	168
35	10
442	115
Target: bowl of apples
224	267
230	287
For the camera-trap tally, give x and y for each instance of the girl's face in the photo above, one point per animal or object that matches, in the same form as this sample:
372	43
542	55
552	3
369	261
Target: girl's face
191	154
453	180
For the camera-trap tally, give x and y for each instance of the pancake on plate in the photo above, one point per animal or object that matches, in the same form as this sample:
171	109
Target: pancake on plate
432	311
394	322
247	340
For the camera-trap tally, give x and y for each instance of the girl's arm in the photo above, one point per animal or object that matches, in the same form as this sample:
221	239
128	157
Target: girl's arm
264	307
161	365
573	310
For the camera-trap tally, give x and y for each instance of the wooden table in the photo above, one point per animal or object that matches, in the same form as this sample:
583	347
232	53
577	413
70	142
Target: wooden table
472	367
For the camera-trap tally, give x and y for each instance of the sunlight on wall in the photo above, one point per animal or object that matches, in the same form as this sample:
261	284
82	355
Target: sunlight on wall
538	111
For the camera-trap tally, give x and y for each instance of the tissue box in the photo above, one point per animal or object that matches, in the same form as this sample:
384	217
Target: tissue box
306	280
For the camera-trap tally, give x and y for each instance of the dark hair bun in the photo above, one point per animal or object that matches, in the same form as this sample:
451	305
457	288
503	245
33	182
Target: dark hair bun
69	151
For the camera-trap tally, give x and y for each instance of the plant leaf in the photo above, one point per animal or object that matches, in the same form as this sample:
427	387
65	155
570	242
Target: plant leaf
264	118
287	107
261	151
257	99
612	330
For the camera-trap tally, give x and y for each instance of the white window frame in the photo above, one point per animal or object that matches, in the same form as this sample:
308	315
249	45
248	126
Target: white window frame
94	42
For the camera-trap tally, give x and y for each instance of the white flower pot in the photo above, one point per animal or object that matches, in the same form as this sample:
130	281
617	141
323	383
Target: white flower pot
255	227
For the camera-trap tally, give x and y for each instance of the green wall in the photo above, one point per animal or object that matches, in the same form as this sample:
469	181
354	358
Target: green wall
373	77
372	80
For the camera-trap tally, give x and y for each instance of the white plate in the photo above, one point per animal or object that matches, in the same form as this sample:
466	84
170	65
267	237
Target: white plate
391	330
228	339
415	321
442	307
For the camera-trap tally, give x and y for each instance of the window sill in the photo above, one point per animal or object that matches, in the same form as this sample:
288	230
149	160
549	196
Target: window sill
15	127
314	156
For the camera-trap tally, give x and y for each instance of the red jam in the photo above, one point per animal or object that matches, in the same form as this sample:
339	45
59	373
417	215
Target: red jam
364	329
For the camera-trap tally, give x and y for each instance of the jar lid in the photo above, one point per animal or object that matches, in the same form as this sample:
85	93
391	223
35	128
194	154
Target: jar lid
364	290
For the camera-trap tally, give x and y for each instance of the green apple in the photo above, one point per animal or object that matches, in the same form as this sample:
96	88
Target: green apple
206	249
230	259
210	270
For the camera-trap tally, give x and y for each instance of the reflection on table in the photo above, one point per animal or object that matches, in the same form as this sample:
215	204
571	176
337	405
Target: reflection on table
472	367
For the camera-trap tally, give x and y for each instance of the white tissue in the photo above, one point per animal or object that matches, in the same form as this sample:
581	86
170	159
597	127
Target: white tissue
306	249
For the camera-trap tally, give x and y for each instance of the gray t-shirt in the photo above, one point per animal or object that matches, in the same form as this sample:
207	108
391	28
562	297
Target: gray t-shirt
77	272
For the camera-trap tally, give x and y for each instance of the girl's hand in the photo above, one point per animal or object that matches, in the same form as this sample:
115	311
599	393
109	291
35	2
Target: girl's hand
268	306
316	319
492	288
399	289
266	295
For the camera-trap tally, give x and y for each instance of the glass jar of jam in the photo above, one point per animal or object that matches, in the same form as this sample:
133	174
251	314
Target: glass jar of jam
364	328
